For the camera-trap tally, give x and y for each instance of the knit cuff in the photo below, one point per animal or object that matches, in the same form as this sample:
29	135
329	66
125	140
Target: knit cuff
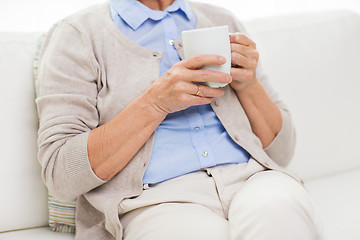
282	148
80	174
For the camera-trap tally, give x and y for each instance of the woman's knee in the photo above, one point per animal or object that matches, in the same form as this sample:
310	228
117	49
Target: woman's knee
271	201
272	185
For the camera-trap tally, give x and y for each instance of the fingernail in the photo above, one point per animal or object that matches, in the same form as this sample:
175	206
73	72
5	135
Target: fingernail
229	78
222	59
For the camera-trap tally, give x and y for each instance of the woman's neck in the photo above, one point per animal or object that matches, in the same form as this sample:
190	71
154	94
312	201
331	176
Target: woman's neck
160	5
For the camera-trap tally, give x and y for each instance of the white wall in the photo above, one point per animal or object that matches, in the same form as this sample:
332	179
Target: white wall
39	15
248	9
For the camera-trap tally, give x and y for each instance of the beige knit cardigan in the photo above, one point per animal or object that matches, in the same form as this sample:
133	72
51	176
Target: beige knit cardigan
88	72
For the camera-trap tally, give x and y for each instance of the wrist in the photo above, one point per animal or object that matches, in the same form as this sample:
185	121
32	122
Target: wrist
152	107
249	90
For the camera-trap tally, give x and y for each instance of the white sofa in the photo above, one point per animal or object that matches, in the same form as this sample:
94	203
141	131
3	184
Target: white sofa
313	59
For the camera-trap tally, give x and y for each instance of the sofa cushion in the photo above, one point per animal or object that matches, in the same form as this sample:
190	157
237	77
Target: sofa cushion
337	199
23	194
42	233
313	60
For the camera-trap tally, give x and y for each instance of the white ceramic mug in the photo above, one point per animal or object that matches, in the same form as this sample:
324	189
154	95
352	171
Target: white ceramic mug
214	40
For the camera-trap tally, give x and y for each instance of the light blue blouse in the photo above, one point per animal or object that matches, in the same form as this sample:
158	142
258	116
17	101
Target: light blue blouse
188	140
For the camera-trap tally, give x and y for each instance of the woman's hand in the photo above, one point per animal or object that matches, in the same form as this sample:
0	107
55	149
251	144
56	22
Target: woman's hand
244	61
176	89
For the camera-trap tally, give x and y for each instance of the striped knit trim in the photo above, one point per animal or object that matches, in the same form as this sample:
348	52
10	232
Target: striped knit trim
39	44
56	227
61	215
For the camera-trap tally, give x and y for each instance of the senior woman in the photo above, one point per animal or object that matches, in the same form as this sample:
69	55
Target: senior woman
149	153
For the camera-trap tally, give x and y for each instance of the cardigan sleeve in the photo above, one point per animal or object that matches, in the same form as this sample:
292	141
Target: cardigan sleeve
282	148
66	100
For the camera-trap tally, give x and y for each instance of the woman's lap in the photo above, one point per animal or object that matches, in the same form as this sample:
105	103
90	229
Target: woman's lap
269	204
177	221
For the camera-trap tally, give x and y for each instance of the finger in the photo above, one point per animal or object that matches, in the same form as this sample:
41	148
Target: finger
203	75
198	90
187	100
241	38
241	74
245	51
242	61
199	75
209	92
199	61
196	100
181	74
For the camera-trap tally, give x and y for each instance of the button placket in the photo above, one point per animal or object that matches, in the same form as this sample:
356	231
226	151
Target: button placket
197	133
170	34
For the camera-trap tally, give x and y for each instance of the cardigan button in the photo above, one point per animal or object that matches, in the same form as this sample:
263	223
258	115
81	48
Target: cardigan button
217	102
237	138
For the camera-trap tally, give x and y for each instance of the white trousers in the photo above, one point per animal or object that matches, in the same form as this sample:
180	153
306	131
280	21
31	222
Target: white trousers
237	202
